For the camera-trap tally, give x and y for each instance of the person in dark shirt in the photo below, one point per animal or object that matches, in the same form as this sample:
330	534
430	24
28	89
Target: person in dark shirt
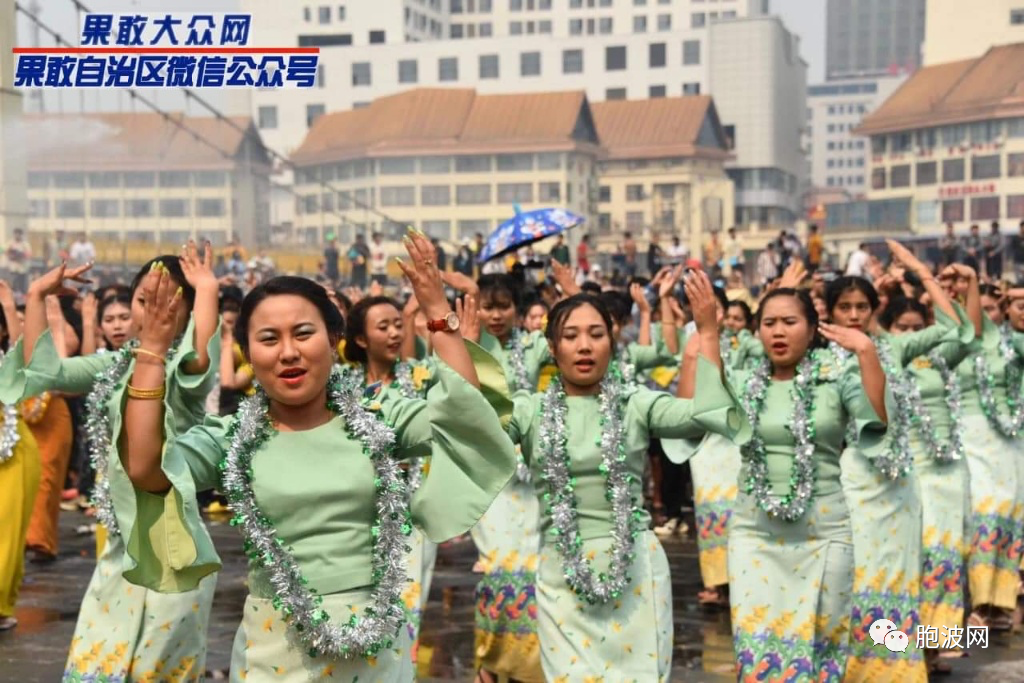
1018	251
972	249
560	252
331	256
949	245
359	257
442	257
993	247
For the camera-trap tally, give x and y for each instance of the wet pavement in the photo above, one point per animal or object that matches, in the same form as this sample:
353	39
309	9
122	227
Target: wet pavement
34	652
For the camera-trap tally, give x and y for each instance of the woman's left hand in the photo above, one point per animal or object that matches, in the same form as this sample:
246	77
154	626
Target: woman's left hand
848	338
424	276
636	292
161	310
469	317
198	271
703	304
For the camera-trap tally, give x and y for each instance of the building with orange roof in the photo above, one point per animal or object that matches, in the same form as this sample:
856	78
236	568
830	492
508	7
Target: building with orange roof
139	177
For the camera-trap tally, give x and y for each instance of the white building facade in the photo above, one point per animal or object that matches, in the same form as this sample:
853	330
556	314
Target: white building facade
956	30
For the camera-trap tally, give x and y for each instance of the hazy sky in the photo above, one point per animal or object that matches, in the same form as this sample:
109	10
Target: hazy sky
806	18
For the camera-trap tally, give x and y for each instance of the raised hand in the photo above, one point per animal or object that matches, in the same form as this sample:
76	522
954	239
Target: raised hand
424	276
7	297
848	338
459	281
563	277
636	292
198	271
90	306
703	304
669	277
52	282
469	317
794	275
161	299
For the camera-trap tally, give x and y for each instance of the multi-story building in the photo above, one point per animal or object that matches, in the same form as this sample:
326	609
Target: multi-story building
759	81
140	178
450	162
838	158
963	30
873	37
946	147
663	170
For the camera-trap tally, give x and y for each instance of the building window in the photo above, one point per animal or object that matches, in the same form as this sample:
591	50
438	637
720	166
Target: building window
102	208
404	195
529	64
408	71
473	164
984	208
604	25
953	136
360	73
634	193
448	69
473	194
640	24
40	208
927	172
900	176
377	37
878	144
664	22
397	166
656	55
615	94
69	208
1017	16
952	170
509	193
38	181
572	61
656	91
878	179
575	27
1015	206
68	180
551	161
440	230
211	208
488	66
635	220
435	195
615	58
983	168
471	228
691	52
327	202
604	222
515	28
952	210
266	117
174	208
984	132
138	208
139	179
926	139
604	194
307	14
549	192
324	15
515	162
341	13
698	20
313	112
435	165
456	31
175	178
543	26
691	88
1015	165
326	40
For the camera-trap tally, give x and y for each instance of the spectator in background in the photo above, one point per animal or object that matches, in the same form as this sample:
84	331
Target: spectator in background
767	266
783	251
583	255
949	245
629	251
993	248
19	256
972	249
463	261
654	255
858	262
677	253
236	266
82	251
55	249
378	260
713	254
1018	251
815	249
478	247
358	256
331	256
560	252
732	253
442	257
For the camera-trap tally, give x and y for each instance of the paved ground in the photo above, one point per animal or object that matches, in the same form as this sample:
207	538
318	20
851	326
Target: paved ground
35	651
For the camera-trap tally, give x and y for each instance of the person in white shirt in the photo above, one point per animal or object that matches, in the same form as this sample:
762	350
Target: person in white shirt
857	265
82	252
677	253
378	260
19	256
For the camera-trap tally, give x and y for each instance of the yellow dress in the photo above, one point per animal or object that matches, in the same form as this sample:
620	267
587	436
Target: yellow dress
19	481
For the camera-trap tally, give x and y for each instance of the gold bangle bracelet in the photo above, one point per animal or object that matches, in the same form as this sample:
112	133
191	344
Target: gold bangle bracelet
146	352
146	394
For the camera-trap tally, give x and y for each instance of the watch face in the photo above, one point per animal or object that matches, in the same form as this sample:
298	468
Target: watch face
453	321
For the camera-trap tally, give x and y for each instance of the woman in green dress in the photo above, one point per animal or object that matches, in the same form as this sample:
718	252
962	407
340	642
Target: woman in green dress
311	471
882	492
603	589
990	380
124	632
790	543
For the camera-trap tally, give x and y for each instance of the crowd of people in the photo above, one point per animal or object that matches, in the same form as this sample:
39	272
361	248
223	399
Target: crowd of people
850	440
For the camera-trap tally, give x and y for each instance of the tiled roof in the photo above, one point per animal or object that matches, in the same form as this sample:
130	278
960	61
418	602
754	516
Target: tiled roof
450	120
988	87
660	127
129	141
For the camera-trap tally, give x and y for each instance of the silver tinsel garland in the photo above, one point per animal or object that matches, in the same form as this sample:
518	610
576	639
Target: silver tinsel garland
301	607
556	467
9	436
897	460
941	451
1008	425
794	504
515	351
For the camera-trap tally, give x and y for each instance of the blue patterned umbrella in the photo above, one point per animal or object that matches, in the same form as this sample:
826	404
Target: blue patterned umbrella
526	228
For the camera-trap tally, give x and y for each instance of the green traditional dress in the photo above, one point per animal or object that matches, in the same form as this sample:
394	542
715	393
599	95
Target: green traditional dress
508	540
318	488
790	583
886	518
125	632
943	488
628	638
996	468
